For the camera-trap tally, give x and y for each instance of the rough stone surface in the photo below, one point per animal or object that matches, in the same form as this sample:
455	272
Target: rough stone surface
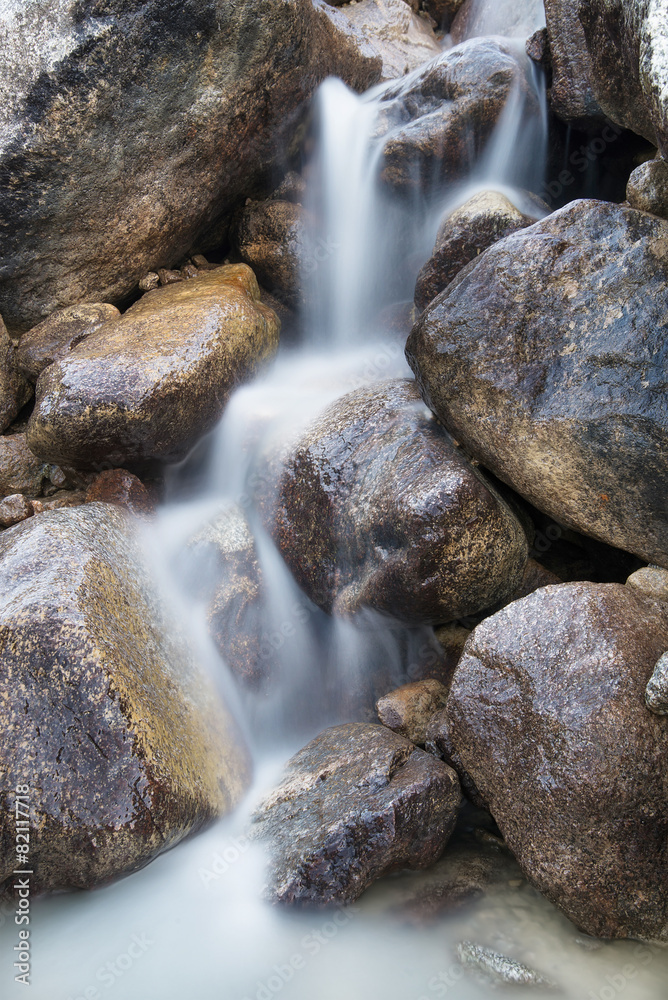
378	509
356	803
146	387
572	95
462	236
547	359
14	509
20	470
438	122
647	189
651	581
547	713
122	489
15	390
104	710
55	337
442	11
498	969
408	710
656	693
272	238
393	31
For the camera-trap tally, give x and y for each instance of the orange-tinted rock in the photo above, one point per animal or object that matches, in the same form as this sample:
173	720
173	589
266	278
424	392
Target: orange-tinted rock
121	488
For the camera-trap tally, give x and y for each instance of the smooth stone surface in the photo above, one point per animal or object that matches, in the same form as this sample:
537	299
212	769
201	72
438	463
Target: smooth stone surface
437	122
104	710
177	111
462	236
378	509
656	693
122	489
272	239
146	387
55	337
356	803
547	714
548	359
647	189
498	969
408	710
651	581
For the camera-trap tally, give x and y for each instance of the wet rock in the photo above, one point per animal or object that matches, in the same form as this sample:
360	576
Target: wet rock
122	489
20	470
59	500
651	581
104	710
272	238
656	693
442	11
14	509
463	235
498	969
56	336
15	390
292	188
647	189
452	639
438	741
402	39
178	112
573	93
408	710
438	122
146	387
503	17
356	803
547	713
547	359
149	282
378	509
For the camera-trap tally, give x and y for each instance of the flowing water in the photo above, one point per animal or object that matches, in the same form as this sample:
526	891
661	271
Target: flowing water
193	923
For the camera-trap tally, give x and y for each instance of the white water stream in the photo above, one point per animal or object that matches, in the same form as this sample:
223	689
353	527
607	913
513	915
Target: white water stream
193	924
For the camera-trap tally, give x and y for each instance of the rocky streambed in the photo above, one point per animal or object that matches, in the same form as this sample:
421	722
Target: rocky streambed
356	562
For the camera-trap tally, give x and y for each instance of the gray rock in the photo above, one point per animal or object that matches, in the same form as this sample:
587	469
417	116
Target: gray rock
647	189
14	509
497	968
547	714
547	359
146	387
651	581
356	803
15	390
55	337
174	112
572	95
378	509
656	693
105	712
408	709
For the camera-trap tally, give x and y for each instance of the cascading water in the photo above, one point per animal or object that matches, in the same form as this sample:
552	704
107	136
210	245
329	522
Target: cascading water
193	923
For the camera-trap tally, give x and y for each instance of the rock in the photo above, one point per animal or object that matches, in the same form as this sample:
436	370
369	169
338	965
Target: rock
503	17
146	387
498	969
378	509
436	123
272	238
651	581
54	338
647	189
20	470
149	282
442	11
59	500
547	359
438	741
656	693
453	639
15	391
390	29
356	803
105	712
407	710
547	714
573	93
463	235
14	509
178	112
120	488
292	188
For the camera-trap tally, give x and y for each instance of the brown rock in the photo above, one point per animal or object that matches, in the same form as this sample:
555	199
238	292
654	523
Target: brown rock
15	391
120	488
56	336
356	803
146	387
272	239
647	189
573	93
547	359
378	509
105	714
547	714
20	470
408	710
651	581
14	509
656	692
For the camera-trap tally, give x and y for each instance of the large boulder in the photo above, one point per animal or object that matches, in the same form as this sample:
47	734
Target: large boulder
356	803
378	509
123	743
572	94
548	359
547	714
145	387
436	124
128	127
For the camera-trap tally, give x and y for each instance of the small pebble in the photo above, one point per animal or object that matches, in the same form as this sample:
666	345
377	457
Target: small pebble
498	968
149	282
169	277
14	509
